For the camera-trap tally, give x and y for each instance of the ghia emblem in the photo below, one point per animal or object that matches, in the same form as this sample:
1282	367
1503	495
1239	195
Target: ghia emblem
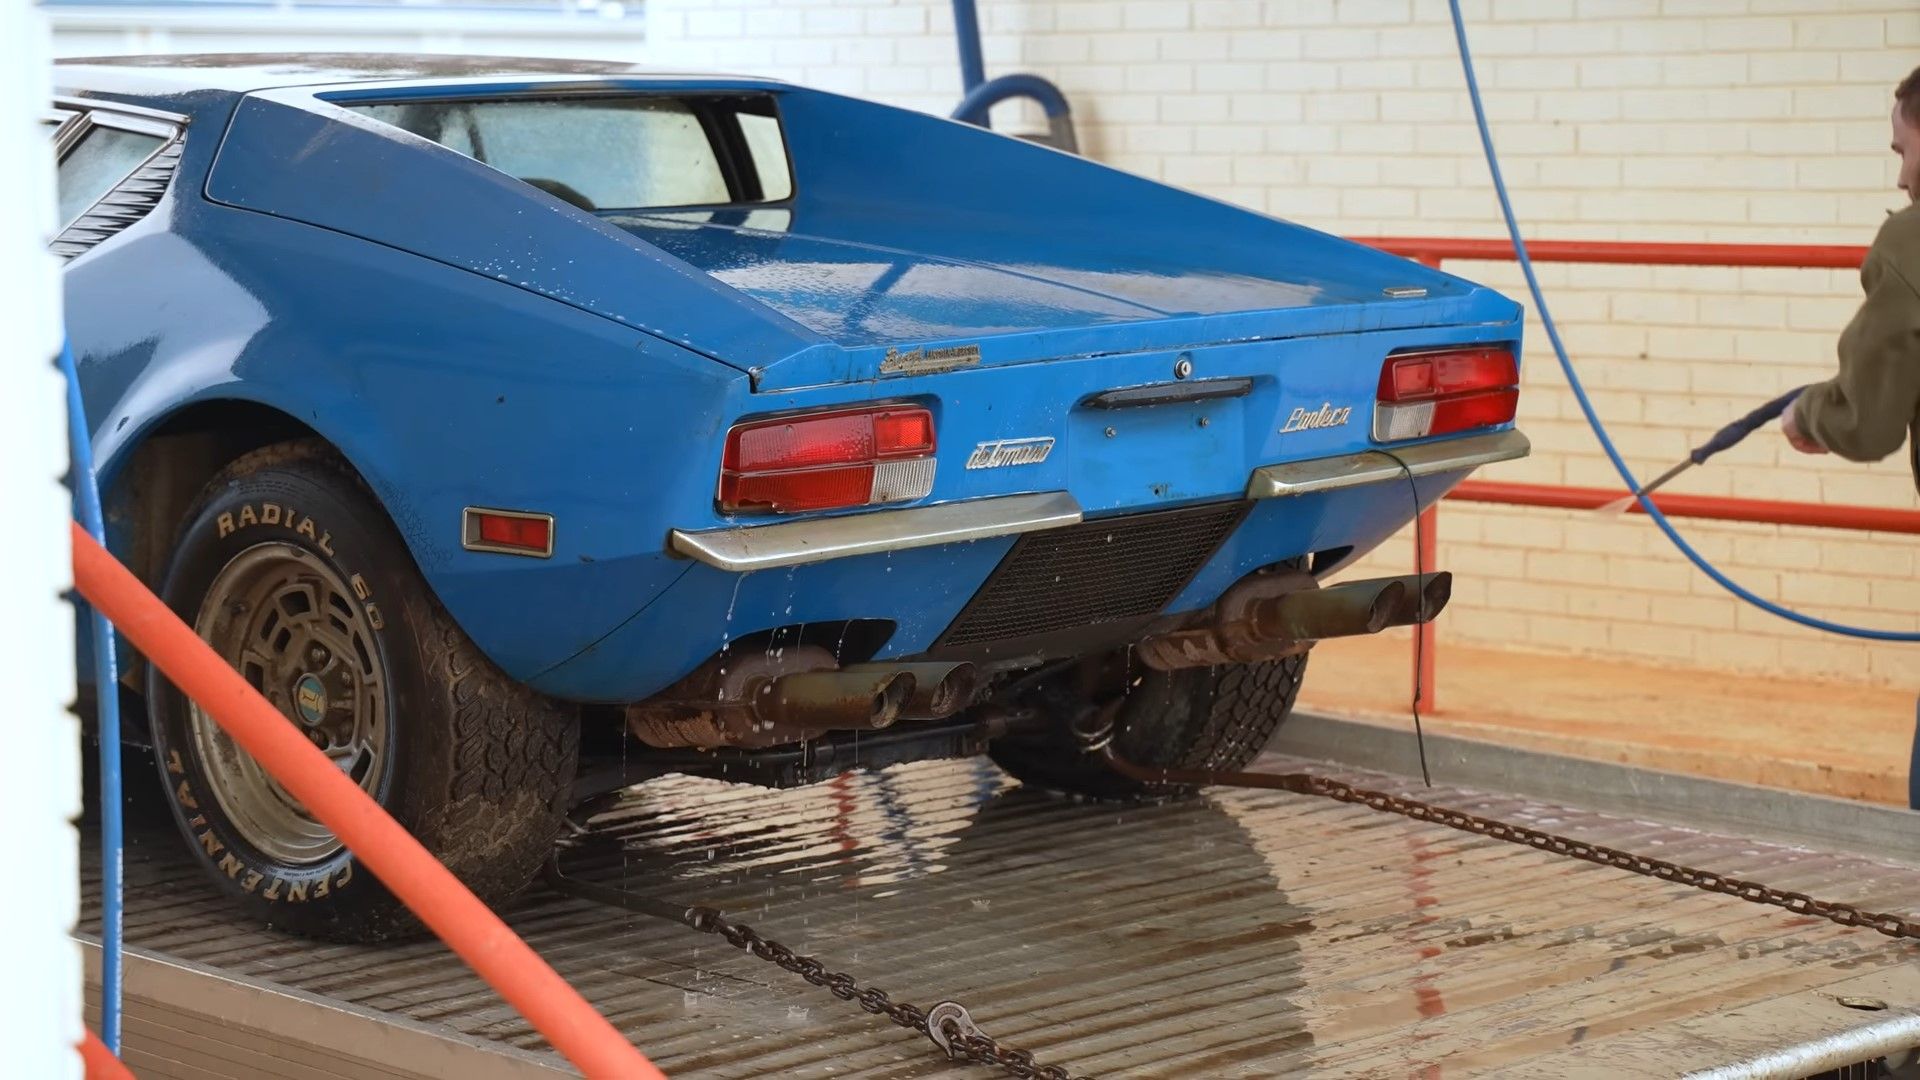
929	361
997	453
1326	416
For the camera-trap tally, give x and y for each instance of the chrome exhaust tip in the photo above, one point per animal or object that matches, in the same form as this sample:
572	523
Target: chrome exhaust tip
940	688
1274	616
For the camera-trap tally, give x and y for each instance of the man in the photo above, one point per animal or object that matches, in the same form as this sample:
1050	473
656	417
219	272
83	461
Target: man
1865	411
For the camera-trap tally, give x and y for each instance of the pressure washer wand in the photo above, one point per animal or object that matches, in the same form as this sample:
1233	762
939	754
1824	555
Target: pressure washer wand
1726	437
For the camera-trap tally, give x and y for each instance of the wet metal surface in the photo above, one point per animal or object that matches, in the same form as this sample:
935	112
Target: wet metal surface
1241	934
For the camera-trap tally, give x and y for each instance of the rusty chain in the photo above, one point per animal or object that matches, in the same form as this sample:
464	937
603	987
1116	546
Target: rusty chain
1895	926
947	1024
950	1027
955	1033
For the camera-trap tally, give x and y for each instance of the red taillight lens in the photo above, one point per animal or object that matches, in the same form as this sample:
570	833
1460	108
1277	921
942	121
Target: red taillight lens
828	460
1474	411
1405	380
800	443
903	434
1418	376
1443	391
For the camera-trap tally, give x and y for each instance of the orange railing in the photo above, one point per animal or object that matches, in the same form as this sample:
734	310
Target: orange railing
409	870
99	1062
1431	251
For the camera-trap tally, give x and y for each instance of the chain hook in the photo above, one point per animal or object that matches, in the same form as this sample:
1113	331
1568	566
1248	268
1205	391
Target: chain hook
947	1021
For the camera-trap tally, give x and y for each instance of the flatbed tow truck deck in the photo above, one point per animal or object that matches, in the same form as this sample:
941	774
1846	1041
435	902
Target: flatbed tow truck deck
1243	933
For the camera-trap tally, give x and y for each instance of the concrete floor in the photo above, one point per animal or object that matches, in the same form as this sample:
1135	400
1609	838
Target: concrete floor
1846	741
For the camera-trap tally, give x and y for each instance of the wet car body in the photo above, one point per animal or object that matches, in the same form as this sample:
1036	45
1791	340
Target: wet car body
1162	393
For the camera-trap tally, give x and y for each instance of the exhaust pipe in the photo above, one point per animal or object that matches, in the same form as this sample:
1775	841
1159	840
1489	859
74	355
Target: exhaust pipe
1433	597
1346	610
940	689
1278	615
833	700
753	701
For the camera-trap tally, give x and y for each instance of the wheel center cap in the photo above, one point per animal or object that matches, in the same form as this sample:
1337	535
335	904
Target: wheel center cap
310	698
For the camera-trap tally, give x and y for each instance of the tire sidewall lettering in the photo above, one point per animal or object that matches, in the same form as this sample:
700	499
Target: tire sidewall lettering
224	853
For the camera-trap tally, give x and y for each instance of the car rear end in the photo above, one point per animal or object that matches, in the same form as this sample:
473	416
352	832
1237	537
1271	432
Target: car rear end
997	406
1008	516
966	527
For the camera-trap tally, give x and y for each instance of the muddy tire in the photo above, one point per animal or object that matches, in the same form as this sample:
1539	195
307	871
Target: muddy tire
1201	718
290	569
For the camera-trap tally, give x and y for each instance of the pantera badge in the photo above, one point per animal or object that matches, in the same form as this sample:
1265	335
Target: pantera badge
1326	416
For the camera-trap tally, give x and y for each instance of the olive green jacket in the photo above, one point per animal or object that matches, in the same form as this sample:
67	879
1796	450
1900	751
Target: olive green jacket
1866	411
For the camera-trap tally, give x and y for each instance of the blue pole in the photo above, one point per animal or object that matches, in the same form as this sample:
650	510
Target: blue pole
966	29
106	681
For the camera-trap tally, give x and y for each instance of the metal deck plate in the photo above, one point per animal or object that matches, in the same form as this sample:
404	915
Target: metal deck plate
1239	934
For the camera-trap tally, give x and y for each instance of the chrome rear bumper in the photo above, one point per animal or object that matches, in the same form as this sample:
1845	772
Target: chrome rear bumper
1379	466
794	543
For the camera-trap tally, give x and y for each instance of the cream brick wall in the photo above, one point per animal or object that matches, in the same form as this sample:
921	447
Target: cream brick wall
1707	120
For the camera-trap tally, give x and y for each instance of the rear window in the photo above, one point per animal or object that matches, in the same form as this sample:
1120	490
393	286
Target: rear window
638	152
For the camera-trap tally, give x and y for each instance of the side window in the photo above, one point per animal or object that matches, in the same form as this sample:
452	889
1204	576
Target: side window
103	157
769	153
627	152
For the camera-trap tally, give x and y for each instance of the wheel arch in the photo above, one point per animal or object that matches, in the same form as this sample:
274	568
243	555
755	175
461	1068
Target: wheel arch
152	479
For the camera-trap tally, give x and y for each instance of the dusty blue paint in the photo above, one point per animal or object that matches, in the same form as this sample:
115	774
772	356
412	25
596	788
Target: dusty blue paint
464	339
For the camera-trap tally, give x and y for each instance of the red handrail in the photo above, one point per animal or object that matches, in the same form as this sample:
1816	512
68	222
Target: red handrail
1715	507
1430	250
418	879
1796	256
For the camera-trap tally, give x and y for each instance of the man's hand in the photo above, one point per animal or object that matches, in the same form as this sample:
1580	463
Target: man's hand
1799	440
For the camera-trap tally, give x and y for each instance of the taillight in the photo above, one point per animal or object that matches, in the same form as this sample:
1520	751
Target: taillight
824	461
1445	390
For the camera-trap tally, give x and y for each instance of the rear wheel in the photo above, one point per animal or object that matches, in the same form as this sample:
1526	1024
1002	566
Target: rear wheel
290	570
1199	718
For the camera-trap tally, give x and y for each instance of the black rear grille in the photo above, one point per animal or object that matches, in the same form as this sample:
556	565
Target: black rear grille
1095	572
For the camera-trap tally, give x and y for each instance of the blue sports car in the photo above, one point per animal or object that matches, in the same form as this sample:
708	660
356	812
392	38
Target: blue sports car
524	428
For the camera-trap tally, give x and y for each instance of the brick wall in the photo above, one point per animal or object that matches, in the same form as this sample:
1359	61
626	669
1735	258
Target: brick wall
1722	120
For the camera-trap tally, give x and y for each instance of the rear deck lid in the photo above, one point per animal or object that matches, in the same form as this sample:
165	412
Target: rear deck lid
904	298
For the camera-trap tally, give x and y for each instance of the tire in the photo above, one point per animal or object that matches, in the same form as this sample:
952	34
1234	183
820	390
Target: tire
1199	718
291	570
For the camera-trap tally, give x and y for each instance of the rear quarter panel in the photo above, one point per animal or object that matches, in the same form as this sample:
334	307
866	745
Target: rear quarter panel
443	388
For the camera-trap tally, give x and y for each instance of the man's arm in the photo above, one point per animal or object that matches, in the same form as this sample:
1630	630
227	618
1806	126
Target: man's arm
1863	413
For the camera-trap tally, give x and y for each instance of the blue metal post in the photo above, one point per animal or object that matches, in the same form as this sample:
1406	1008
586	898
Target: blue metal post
106	681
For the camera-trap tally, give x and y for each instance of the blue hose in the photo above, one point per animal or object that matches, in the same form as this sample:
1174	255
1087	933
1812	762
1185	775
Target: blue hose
106	681
966	31
1586	404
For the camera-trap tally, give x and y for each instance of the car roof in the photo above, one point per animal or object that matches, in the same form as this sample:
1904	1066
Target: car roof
247	72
